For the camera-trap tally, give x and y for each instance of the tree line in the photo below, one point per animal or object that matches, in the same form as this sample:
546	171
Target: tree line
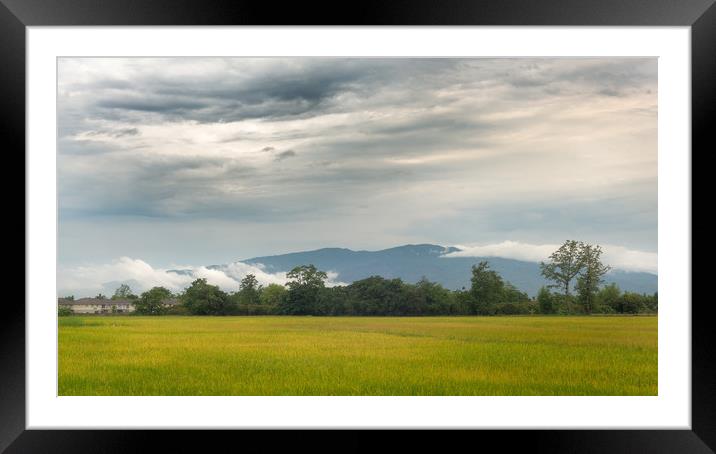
575	271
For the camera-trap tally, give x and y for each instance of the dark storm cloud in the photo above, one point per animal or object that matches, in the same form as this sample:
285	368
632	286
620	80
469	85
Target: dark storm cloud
163	104
609	92
392	150
125	132
308	87
239	91
285	154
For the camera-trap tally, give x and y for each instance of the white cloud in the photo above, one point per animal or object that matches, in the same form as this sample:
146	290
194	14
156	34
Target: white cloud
332	279
238	270
507	249
89	280
631	260
617	257
82	281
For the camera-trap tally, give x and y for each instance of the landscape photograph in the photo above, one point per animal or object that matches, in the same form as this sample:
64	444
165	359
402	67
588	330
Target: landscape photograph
355	226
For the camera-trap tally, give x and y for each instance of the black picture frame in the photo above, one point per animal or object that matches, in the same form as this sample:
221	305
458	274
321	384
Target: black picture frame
16	15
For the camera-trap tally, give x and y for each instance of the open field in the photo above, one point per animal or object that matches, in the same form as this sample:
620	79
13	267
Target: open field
129	355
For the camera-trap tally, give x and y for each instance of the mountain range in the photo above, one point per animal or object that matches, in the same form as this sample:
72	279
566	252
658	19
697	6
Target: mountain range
412	262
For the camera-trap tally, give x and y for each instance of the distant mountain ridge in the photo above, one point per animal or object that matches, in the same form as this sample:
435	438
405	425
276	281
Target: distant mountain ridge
412	262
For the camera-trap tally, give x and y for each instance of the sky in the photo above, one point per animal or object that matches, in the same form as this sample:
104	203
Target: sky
197	161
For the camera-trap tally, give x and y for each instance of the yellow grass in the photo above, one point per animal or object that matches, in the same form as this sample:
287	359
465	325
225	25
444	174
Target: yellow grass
130	355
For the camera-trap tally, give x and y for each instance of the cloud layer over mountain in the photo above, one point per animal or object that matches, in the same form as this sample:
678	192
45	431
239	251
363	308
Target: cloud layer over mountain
105	278
617	257
343	266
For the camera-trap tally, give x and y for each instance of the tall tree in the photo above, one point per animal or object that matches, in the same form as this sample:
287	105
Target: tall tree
564	265
591	275
306	275
488	289
376	295
303	289
249	290
201	298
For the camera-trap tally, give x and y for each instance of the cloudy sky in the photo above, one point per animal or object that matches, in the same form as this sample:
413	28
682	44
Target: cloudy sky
211	160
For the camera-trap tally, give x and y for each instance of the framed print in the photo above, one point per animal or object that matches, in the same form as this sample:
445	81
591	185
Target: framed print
453	217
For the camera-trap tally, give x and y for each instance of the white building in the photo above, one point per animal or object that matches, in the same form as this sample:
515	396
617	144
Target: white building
105	306
97	306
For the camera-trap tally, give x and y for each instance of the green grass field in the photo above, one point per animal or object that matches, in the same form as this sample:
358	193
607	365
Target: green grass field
132	355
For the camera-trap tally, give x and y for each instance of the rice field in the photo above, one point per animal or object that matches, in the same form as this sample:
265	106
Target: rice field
131	355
